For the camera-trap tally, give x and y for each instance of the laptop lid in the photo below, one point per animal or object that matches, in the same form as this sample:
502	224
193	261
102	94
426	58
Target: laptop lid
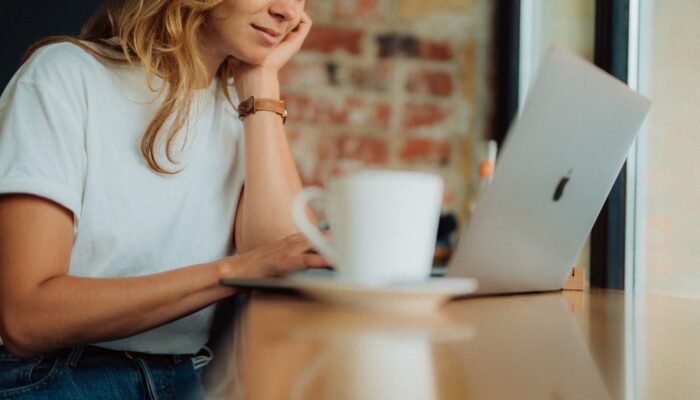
556	168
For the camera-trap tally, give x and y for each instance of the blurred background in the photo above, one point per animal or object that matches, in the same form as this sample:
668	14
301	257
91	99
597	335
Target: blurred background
22	22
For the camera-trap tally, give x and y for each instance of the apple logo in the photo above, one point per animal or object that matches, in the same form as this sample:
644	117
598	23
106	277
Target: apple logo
559	191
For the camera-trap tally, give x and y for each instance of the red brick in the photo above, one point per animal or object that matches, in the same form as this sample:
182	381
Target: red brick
418	115
360	9
328	39
425	150
363	148
436	83
439	51
382	115
326	148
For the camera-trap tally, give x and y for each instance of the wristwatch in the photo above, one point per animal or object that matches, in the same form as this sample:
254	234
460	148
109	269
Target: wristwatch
253	105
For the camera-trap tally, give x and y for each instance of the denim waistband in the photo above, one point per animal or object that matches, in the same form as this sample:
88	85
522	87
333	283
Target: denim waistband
200	359
74	354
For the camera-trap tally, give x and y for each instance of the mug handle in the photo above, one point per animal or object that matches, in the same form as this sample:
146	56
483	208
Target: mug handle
306	227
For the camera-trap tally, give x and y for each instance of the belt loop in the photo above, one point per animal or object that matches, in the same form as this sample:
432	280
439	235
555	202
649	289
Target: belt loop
202	358
74	356
146	378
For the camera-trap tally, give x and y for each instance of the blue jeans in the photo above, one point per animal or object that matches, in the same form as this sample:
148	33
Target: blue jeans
95	373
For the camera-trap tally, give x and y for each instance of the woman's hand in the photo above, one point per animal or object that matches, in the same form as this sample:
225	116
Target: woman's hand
289	46
274	259
262	80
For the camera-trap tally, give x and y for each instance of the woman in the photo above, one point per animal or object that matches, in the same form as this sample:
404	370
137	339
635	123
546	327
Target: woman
122	163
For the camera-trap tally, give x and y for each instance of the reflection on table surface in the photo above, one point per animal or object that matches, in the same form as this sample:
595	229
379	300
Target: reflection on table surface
564	345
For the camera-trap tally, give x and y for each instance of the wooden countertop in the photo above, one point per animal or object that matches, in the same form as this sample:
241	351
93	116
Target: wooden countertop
562	345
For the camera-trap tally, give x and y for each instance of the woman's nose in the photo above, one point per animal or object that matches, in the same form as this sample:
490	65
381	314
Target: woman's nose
286	10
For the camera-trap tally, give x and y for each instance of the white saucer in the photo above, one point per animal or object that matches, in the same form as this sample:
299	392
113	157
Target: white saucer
420	296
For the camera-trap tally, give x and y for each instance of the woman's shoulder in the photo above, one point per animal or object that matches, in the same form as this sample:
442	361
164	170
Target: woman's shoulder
59	63
63	52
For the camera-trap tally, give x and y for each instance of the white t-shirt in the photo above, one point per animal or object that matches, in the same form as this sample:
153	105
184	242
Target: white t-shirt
70	129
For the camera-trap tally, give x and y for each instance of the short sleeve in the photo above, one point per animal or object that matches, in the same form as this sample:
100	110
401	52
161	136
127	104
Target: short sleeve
42	150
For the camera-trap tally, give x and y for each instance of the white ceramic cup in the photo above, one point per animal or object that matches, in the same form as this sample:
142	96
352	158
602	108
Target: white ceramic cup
384	224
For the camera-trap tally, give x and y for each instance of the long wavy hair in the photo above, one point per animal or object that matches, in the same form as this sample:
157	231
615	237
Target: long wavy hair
162	37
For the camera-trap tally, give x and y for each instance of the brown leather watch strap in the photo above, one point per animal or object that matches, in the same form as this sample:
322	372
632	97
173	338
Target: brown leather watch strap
253	105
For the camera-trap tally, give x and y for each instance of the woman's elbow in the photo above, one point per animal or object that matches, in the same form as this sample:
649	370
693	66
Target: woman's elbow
16	336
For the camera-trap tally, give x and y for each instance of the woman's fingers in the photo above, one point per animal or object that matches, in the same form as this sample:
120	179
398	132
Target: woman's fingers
305	24
303	27
291	44
298	253
298	243
305	261
292	253
311	260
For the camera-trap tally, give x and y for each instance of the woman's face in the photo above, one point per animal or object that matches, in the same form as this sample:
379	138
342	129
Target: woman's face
250	29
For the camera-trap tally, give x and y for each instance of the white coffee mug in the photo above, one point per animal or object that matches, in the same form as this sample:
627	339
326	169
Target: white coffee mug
383	223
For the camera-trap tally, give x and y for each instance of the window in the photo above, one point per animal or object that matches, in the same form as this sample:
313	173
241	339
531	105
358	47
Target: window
666	235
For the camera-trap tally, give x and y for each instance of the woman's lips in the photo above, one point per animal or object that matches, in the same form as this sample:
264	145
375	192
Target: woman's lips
269	36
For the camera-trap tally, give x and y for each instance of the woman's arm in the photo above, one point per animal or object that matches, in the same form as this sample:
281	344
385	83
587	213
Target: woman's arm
43	308
271	176
271	179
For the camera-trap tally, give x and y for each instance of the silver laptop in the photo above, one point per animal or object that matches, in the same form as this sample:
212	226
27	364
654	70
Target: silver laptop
556	168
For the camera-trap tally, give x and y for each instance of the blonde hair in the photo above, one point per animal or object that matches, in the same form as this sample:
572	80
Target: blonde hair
162	37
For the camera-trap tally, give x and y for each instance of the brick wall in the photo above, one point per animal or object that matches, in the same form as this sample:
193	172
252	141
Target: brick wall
392	83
